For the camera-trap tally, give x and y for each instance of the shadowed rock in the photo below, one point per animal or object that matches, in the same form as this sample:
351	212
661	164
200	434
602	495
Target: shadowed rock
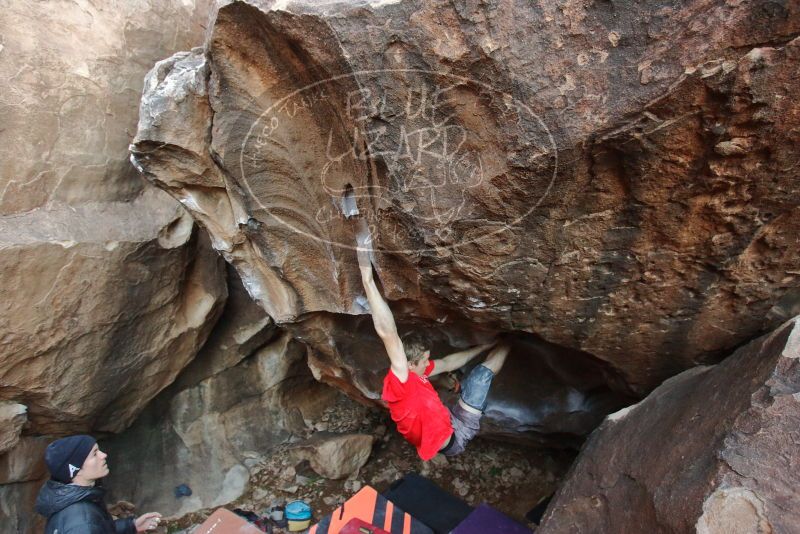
209	434
711	450
545	394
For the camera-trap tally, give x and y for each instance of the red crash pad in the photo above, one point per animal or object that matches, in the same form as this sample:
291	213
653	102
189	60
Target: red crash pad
358	526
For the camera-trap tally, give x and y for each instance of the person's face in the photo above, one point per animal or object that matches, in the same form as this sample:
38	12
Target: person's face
94	467
419	366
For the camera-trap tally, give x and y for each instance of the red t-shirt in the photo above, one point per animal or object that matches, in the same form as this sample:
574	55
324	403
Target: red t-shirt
416	409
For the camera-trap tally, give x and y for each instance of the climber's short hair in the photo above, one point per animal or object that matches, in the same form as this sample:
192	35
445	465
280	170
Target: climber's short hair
415	346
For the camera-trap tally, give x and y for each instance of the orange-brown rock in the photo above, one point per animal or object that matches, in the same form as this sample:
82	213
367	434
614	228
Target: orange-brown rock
618	179
247	391
106	293
714	449
107	287
102	285
73	76
105	304
242	328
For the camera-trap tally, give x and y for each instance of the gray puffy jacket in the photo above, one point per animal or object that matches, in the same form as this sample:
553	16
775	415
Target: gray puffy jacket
72	509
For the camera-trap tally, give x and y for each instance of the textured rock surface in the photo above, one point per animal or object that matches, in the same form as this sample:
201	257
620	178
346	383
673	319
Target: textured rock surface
73	73
104	305
242	328
96	263
617	178
335	456
12	418
22	473
25	462
713	449
105	298
208	436
105	295
16	503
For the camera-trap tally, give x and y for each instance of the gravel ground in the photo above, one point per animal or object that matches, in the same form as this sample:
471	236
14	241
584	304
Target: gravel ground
510	477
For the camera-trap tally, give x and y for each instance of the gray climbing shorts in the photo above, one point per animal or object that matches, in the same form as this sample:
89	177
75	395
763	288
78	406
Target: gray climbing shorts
466	424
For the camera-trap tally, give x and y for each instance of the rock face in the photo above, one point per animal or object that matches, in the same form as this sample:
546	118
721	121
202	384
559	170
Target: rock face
712	450
109	303
617	179
24	462
73	75
16	502
12	417
208	435
96	263
106	294
242	328
22	473
108	288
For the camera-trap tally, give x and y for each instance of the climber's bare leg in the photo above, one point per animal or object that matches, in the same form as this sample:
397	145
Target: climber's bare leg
497	357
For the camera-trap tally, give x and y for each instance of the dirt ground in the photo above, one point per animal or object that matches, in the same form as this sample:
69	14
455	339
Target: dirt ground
509	477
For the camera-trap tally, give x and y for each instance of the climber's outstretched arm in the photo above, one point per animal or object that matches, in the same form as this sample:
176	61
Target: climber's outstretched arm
454	361
382	316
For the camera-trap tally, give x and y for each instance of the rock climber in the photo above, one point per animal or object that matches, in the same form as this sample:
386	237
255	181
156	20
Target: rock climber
71	499
414	405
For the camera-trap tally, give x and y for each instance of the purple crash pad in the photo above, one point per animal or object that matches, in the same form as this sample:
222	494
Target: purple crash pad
486	519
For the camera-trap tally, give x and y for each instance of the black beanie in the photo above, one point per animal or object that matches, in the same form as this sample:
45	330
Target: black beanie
64	457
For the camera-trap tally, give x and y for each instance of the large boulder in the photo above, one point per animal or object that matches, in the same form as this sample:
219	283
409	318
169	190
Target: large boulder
712	450
103	306
106	293
108	288
617	179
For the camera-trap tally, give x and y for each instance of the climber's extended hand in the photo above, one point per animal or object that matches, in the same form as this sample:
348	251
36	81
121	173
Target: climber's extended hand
148	521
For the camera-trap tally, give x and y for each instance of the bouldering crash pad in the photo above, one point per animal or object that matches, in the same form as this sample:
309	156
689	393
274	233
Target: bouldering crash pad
428	502
486	519
371	507
226	522
359	526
